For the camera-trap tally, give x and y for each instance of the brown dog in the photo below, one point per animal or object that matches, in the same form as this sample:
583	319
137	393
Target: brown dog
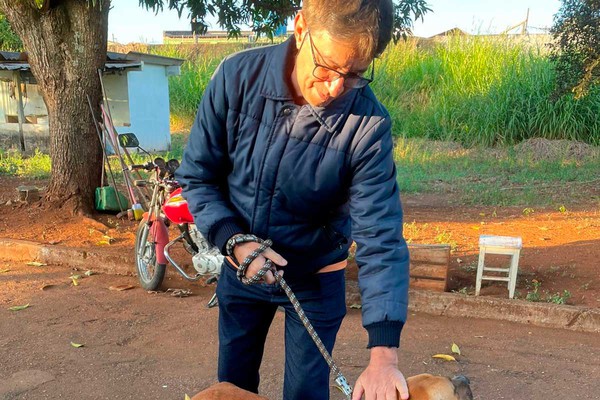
420	387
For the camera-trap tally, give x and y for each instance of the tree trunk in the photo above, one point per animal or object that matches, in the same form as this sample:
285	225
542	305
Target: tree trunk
66	45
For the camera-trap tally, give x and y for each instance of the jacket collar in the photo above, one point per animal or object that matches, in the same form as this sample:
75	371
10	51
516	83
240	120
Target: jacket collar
275	87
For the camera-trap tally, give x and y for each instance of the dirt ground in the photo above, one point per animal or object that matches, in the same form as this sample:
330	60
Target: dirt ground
561	248
138	345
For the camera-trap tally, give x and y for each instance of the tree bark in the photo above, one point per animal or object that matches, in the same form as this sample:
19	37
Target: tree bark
66	45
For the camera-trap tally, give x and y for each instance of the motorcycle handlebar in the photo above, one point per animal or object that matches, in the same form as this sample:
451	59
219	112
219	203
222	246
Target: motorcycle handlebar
147	166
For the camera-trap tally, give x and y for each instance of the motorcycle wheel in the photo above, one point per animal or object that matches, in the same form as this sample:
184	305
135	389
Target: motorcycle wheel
150	273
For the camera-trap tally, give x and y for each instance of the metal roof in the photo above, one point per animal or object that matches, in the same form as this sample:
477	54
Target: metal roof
12	61
14	66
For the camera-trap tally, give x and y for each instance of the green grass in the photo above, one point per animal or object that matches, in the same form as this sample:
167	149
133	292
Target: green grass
14	163
498	176
480	91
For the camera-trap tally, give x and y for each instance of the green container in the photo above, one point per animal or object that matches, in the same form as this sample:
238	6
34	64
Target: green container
106	199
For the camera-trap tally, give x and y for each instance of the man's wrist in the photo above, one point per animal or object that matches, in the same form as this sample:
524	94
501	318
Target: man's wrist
222	230
382	355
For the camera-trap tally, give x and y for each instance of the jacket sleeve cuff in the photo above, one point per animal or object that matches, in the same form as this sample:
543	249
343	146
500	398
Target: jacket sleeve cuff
222	230
385	333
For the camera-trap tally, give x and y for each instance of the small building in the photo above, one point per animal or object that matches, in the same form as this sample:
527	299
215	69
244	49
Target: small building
189	37
136	85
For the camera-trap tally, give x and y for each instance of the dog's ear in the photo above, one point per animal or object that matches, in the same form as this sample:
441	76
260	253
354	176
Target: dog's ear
462	390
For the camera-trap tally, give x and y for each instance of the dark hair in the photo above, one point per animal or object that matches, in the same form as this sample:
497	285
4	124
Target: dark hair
367	22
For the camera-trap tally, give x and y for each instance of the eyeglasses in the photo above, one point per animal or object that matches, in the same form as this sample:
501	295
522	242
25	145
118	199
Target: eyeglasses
352	80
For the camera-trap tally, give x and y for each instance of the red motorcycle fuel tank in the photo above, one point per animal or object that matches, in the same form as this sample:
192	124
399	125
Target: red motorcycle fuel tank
176	208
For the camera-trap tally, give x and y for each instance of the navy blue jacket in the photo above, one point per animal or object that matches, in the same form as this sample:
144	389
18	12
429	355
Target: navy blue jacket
311	179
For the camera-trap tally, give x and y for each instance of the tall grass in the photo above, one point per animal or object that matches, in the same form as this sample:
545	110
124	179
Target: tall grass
475	90
186	90
480	90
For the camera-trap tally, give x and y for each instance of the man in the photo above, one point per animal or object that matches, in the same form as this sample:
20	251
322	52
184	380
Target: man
290	144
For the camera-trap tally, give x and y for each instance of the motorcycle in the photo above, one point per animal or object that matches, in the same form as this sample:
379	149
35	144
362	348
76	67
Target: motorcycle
167	207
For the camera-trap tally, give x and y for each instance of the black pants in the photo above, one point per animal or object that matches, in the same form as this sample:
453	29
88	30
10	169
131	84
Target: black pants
245	314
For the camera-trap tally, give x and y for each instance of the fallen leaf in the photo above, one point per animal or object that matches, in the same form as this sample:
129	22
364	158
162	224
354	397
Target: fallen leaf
4	270
120	288
445	357
54	242
187	397
179	292
458	260
35	264
544	238
76	345
75	278
475	227
88	273
455	349
356	306
482	214
103	243
542	228
18	308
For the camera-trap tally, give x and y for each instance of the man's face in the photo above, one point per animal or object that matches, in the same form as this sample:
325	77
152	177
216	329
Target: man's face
319	48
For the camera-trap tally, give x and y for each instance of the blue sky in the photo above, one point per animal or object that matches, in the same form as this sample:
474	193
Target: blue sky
128	22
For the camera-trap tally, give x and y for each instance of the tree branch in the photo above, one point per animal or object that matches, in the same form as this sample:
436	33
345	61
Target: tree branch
23	10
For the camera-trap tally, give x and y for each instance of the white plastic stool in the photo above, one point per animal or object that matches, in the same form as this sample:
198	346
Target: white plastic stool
499	245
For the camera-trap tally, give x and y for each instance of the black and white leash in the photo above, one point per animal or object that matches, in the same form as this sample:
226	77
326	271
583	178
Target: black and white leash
340	379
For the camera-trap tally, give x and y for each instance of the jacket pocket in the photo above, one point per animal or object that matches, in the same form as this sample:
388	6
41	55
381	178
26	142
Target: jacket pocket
337	239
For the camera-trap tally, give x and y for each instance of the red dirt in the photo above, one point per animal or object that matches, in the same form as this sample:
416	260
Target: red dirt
156	346
561	249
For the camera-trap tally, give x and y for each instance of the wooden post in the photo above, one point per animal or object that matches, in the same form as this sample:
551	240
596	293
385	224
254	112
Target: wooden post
21	112
525	23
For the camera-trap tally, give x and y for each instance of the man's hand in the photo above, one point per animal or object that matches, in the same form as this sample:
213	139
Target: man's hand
243	250
381	380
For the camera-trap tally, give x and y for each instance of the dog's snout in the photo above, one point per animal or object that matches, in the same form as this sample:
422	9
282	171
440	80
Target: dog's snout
461	379
461	387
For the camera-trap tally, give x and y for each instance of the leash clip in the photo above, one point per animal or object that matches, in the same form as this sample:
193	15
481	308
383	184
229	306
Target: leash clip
343	385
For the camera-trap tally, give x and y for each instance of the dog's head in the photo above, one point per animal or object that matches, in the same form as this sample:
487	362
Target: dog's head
429	387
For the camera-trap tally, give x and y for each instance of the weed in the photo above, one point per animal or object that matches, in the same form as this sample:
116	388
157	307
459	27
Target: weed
558	298
562	209
463	290
534	295
528	211
444	237
472	267
411	230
